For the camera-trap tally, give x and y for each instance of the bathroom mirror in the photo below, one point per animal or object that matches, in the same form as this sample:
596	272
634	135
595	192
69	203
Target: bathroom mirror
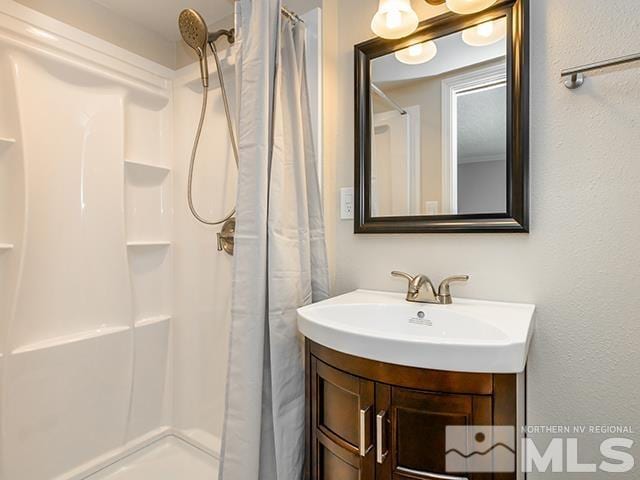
442	126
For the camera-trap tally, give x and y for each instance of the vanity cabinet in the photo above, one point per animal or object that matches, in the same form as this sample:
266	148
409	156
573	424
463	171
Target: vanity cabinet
373	420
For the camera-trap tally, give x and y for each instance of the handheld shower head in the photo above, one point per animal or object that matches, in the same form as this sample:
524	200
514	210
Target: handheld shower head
195	34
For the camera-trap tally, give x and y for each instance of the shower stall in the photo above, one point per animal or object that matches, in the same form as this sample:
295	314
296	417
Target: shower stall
114	299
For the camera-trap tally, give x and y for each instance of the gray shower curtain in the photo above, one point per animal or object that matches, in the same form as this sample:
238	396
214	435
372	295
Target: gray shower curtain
280	261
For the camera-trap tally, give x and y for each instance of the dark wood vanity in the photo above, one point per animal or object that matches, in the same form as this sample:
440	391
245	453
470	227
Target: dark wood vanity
373	420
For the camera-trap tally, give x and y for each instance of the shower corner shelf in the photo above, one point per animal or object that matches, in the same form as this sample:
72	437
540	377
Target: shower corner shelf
152	320
5	142
5	247
142	165
70	338
159	243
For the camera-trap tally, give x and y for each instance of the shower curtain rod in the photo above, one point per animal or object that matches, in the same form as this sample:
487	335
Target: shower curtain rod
291	15
378	91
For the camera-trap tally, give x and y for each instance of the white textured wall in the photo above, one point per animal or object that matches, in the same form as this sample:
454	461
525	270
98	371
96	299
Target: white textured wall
580	264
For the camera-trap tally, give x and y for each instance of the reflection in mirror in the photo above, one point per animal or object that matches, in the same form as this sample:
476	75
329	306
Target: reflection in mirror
439	123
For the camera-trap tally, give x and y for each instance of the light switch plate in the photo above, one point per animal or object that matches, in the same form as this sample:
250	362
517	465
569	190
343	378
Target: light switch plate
346	203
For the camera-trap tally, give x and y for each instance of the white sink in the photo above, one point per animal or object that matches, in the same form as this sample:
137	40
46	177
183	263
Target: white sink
468	336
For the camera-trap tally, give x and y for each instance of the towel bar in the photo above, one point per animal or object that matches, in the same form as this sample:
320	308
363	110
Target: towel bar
576	74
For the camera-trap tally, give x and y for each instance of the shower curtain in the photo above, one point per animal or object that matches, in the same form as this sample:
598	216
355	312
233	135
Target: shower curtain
280	259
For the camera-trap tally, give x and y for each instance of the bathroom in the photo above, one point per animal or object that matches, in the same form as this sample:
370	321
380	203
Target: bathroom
224	307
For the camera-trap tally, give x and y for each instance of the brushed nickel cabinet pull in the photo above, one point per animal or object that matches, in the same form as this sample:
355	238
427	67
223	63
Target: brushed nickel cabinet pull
435	476
380	456
363	432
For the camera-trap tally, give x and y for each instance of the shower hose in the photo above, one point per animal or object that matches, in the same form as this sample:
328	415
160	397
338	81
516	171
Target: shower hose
196	141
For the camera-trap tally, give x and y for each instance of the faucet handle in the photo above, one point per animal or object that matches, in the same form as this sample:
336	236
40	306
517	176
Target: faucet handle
444	293
402	275
411	289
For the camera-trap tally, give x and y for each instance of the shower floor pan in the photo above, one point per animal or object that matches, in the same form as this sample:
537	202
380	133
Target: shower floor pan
167	459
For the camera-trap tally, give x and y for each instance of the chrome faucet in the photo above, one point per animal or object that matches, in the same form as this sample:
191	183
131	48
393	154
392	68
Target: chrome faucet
421	288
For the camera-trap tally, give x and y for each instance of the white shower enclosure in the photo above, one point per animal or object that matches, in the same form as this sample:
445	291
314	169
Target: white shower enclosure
114	302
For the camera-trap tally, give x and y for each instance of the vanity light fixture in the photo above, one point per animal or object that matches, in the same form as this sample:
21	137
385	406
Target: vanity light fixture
468	6
418	53
486	33
394	19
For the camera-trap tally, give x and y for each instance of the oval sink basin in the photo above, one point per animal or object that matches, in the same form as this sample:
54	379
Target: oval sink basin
468	336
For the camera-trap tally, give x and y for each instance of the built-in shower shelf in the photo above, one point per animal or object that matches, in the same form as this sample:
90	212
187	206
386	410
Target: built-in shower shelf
5	246
5	142
70	338
147	166
153	320
159	243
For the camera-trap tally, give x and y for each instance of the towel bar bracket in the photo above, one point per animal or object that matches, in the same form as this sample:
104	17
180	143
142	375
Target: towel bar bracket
576	80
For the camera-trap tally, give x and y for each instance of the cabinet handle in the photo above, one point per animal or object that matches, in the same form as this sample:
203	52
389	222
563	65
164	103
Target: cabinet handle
363	432
380	456
435	476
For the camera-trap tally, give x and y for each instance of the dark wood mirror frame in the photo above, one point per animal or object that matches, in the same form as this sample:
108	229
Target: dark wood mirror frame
516	218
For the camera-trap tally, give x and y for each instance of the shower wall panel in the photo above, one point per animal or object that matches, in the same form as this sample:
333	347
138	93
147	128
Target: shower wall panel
202	276
85	251
11	201
72	125
65	405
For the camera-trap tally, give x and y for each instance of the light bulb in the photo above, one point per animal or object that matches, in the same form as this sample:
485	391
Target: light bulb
468	6
486	33
394	19
485	29
415	50
418	53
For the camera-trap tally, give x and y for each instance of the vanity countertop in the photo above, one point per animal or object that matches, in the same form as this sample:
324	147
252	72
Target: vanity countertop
467	336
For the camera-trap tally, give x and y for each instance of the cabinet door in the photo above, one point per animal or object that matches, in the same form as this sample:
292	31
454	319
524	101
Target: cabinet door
341	425
412	426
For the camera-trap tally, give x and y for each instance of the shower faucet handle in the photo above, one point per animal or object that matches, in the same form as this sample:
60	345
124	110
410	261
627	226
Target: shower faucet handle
226	237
